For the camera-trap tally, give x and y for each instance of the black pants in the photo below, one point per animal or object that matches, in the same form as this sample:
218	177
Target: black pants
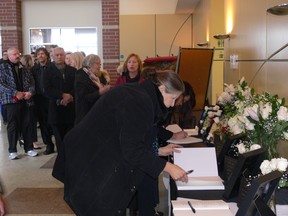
146	197
19	122
41	114
59	131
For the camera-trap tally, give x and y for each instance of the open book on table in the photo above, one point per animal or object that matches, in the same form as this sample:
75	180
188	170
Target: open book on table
202	183
175	128
202	207
203	161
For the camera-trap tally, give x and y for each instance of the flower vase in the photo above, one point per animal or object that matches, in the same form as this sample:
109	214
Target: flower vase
270	145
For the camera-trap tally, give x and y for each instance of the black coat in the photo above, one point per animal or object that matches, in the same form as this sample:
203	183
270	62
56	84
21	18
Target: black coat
104	158
54	86
86	94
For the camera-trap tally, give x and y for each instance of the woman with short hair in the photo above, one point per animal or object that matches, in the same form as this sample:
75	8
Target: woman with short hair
90	84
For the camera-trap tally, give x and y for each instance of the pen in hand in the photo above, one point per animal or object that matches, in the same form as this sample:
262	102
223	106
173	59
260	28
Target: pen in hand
192	208
189	171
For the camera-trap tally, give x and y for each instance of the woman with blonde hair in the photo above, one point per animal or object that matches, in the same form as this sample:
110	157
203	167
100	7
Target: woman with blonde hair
76	59
26	61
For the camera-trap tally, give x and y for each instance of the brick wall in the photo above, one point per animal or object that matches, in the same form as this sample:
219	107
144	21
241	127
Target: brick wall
11	24
111	50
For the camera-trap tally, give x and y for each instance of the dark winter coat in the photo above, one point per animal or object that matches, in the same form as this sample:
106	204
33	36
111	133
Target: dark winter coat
105	157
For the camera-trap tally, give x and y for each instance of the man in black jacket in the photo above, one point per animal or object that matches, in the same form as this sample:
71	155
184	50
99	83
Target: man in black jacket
59	88
41	101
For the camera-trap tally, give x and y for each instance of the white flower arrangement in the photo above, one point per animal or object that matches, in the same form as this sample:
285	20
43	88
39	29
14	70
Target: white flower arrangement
279	164
242	148
262	117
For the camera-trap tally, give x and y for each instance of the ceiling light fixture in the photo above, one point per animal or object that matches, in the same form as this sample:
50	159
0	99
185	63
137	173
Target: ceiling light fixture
205	44
281	9
222	36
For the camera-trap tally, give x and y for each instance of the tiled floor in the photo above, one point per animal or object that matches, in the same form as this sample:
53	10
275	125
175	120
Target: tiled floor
29	187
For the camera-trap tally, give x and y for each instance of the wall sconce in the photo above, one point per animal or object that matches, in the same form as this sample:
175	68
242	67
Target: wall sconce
281	9
222	36
205	44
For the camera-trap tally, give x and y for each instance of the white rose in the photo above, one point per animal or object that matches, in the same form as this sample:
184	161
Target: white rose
218	113
220	99
236	129
206	108
265	110
216	108
226	97
232	121
216	120
230	88
273	163
282	164
265	167
247	93
249	126
282	114
252	112
285	135
254	147
241	148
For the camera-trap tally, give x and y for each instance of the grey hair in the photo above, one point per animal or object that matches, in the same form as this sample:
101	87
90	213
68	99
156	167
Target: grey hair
170	79
89	60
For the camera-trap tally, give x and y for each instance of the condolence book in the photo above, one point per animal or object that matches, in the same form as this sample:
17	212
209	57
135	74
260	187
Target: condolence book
175	128
196	207
203	162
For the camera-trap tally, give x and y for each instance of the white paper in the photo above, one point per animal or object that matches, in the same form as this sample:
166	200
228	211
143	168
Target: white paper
191	132
202	183
202	207
186	140
182	204
174	128
202	160
219	212
281	210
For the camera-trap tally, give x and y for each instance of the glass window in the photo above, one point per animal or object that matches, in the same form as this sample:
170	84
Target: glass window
71	39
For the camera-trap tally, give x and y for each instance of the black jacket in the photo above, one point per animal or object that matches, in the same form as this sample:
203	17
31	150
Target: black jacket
54	86
104	158
86	94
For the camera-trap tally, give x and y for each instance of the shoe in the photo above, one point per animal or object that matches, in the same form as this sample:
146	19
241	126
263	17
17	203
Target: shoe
31	153
13	156
48	151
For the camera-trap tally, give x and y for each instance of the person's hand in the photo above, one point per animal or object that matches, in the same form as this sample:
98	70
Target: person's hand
179	135
27	95
2	206
169	149
19	95
104	89
66	99
176	172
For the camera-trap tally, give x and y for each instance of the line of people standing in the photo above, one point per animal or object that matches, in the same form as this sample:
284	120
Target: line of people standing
47	88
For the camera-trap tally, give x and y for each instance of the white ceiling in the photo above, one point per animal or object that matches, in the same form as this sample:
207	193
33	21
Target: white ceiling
132	7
